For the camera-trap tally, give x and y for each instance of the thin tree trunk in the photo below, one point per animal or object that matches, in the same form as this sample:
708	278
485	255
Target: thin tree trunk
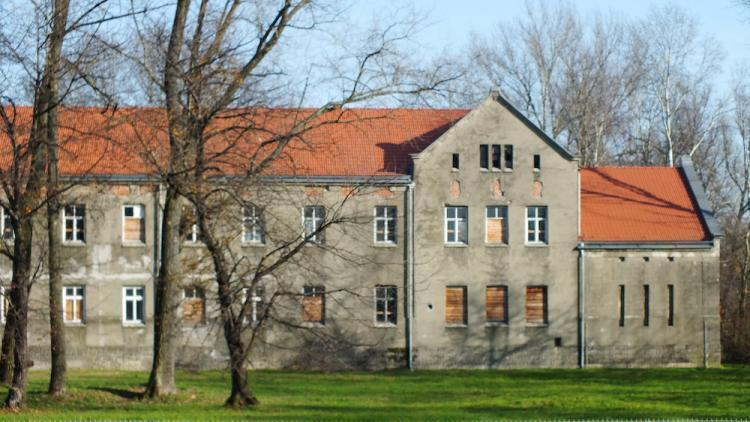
241	395
6	353
161	380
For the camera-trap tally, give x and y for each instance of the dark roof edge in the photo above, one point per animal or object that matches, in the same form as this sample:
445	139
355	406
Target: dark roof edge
531	125
701	244
304	180
699	195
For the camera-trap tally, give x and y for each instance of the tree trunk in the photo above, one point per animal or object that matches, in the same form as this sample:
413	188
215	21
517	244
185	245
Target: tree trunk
6	354
241	395
161	380
58	375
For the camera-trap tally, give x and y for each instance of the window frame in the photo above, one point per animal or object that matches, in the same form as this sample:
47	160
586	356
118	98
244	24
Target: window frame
5	225
508	157
136	298
457	220
316	235
670	305
390	225
545	306
537	162
315	290
199	293
496	157
489	321
256	223
3	305
506	228
386	288
484	157
536	219
465	305
75	297
75	219
455	161
142	218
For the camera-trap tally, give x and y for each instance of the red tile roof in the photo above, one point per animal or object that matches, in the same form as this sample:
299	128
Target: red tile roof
638	204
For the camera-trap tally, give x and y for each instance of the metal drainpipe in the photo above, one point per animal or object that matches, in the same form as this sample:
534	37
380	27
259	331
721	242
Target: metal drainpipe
581	305
410	276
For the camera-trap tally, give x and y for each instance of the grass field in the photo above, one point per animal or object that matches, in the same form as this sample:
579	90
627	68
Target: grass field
590	393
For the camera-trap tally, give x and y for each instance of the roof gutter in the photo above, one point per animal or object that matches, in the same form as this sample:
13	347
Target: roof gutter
703	244
302	180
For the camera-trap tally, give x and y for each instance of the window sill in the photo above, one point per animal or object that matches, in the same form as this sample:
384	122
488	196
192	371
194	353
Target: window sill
133	324
537	245
507	170
253	245
456	245
384	245
193	244
384	325
456	325
540	325
496	245
74	244
313	324
133	244
496	324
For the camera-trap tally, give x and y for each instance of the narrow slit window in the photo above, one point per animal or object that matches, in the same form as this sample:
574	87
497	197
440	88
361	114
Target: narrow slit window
670	310
646	305
508	149
621	305
484	156
456	162
496	157
537	162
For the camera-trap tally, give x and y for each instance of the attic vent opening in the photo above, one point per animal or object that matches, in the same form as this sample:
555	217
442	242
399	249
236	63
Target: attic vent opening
456	163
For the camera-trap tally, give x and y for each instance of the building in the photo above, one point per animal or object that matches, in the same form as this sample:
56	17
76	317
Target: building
485	245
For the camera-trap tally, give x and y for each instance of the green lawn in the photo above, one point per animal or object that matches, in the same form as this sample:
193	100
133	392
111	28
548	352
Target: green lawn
590	393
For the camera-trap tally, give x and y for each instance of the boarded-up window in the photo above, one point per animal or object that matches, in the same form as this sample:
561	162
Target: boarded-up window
497	304
455	305
194	307
497	225
314	304
536	305
134	223
73	304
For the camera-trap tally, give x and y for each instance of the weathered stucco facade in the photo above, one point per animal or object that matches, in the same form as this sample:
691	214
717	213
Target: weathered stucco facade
588	318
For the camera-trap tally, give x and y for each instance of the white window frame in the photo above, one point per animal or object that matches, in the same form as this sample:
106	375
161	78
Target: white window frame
390	224
193	237
133	298
5	224
79	295
141	210
506	227
255	299
386	288
255	221
536	219
2	304
457	220
317	221
77	220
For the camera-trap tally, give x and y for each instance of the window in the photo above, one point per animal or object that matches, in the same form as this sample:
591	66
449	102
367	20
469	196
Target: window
497	304
314	217
537	162
385	225
189	230
252	226
496	225
496	157
670	309
74	221
536	305
455	305
536	225
456	225
621	306
646	310
508	157
73	304
4	304
456	162
133	311
484	157
194	306
386	304
6	227
254	312
314	304
133	223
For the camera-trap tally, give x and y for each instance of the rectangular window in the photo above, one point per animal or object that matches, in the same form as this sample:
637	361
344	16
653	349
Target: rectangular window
194	305
133	305
73	304
457	225
497	304
74	223
646	305
314	304
536	305
255	310
252	225
133	223
314	218
385	225
508	149
536	225
496	157
670	310
456	163
455	305
386	304
621	306
497	225
484	157
537	162
189	230
6	227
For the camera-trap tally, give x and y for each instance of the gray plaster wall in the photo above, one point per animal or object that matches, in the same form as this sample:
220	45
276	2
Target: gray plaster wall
477	265
694	340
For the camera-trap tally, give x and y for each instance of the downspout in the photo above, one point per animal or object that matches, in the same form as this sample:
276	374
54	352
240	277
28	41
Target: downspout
410	276
581	305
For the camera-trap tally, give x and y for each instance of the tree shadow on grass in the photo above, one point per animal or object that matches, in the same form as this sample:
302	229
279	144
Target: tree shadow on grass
120	392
